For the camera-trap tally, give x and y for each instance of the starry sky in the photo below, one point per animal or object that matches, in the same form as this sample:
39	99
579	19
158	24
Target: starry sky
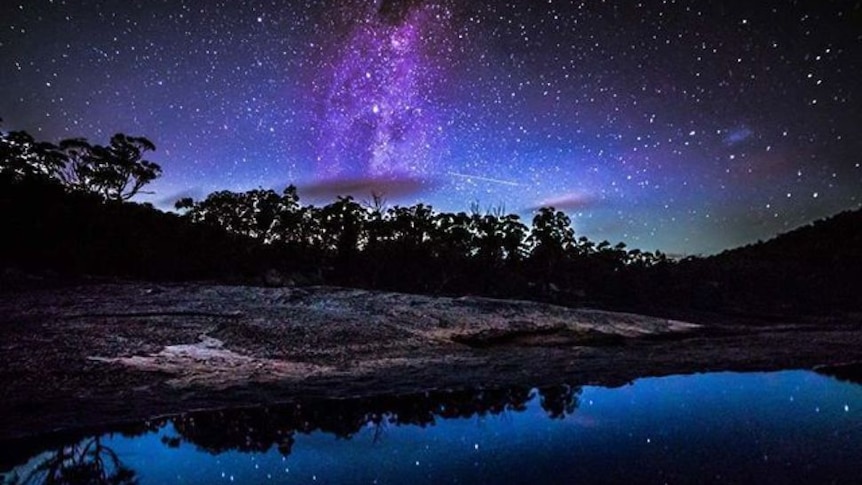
689	126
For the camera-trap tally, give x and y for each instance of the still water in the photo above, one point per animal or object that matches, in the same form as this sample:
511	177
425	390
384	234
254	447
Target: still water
778	427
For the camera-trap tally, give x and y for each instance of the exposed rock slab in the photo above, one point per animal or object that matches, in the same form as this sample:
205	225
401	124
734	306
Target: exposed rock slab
208	363
220	336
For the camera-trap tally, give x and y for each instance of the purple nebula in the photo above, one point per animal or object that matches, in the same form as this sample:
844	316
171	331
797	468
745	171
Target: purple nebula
377	113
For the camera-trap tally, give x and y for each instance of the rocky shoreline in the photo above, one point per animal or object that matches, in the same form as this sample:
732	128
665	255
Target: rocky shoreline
89	355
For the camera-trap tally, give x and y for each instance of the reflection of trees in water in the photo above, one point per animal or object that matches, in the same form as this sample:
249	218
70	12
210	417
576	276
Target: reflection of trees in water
259	429
843	372
559	401
245	430
86	462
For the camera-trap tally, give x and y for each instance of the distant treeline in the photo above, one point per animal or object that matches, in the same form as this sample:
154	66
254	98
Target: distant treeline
418	249
64	208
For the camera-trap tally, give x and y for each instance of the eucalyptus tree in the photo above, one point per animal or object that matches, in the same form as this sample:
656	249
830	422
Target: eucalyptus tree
513	237
223	209
411	228
117	171
342	227
551	235
289	224
21	156
454	238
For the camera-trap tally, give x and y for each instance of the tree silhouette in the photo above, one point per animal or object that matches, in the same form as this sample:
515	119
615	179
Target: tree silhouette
342	227
117	171
559	401
88	462
22	157
551	239
454	236
289	214
223	209
513	238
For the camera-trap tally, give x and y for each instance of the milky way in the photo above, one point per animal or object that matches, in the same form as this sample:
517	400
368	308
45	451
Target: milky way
378	119
688	126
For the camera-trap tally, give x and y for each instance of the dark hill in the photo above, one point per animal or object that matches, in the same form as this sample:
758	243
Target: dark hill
837	239
816	268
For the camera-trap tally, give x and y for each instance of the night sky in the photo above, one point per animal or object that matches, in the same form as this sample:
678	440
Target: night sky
687	126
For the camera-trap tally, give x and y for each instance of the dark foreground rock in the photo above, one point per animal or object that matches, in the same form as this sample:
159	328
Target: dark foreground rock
96	354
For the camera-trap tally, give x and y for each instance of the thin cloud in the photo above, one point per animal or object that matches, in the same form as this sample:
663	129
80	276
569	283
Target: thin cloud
390	188
572	201
169	201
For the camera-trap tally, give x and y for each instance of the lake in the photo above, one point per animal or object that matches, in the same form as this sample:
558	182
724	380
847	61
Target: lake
775	427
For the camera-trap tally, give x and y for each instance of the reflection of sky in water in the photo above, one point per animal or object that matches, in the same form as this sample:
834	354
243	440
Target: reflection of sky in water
793	426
